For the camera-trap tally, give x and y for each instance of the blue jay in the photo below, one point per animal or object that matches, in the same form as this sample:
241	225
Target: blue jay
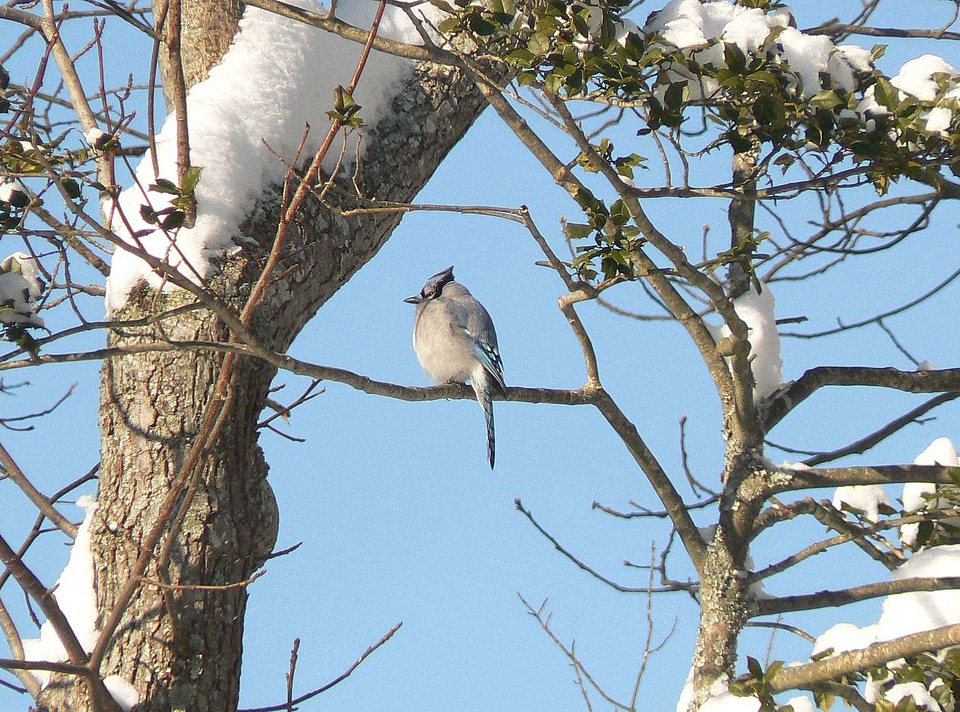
455	341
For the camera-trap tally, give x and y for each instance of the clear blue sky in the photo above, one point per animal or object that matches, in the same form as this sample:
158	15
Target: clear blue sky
402	520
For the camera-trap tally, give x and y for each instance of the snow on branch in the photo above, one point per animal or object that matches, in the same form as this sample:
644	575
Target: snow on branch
246	122
76	596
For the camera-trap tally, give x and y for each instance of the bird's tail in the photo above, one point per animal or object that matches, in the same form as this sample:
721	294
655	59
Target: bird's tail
483	389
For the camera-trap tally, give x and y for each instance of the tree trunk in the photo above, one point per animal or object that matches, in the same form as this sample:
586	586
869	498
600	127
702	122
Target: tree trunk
181	645
724	594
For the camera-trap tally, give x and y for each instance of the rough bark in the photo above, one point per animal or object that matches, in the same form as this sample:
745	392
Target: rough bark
183	649
207	29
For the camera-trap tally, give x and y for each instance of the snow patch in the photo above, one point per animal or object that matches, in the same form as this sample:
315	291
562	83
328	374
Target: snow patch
802	704
921	696
75	594
867	499
20	288
917	77
843	637
915	495
122	692
757	312
728	702
920	611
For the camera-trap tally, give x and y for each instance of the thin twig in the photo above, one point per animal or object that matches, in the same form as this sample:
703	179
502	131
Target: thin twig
336	681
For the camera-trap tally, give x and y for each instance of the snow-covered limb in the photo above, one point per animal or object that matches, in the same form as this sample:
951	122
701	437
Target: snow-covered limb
911	623
75	594
254	107
857	659
867	475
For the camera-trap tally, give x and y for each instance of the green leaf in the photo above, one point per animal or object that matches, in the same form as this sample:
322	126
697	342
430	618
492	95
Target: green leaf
883	705
823	699
450	25
826	99
480	25
174	220
539	42
577	231
70	187
734	57
885	93
165	186
521	56
148	214
765	77
190	179
619	213
675	95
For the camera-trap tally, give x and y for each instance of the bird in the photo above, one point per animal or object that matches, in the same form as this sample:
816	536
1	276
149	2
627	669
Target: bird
455	342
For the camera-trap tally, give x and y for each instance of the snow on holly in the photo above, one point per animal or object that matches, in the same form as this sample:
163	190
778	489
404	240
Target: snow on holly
702	29
20	288
918	496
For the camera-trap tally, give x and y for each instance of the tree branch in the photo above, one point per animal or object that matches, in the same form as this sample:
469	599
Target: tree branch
672	501
778	405
836	29
13	471
810	674
798	479
863	444
833	599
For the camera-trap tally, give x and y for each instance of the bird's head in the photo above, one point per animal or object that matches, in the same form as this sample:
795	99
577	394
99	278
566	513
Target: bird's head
433	287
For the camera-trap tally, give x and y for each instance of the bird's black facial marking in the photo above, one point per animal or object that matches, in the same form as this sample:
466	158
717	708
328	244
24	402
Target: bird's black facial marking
436	283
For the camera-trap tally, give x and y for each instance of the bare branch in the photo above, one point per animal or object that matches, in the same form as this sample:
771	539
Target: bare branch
863	444
10	469
570	653
336	681
836	29
878	317
791	395
672	501
832	599
792	480
580	564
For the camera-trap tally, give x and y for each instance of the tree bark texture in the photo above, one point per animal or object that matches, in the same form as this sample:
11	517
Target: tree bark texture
181	646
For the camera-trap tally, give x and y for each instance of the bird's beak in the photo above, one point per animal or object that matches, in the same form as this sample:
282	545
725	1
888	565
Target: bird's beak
416	299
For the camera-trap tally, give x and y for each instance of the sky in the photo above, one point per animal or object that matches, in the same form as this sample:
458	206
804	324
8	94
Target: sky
401	518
